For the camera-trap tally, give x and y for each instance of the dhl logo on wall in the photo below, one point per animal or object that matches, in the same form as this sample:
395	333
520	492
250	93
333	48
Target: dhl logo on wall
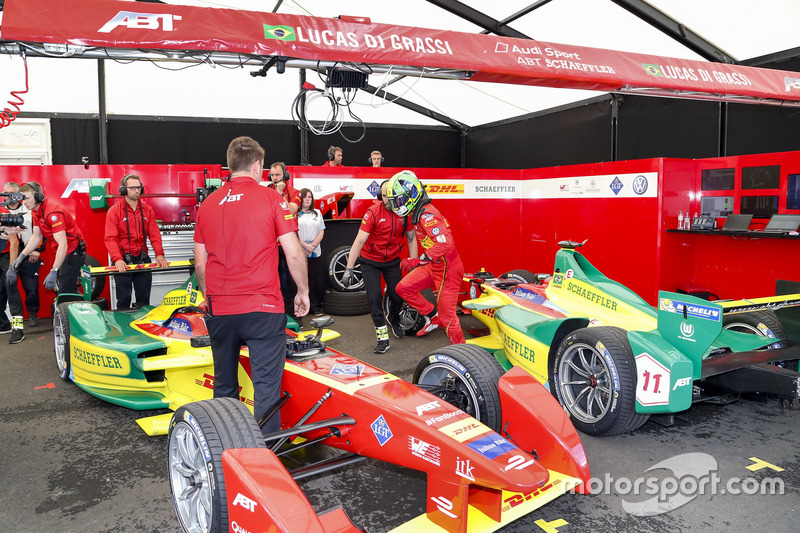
457	188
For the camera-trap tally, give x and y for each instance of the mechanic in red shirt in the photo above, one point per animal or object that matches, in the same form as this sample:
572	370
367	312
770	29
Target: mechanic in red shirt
236	260
441	266
129	224
280	177
53	222
379	241
334	157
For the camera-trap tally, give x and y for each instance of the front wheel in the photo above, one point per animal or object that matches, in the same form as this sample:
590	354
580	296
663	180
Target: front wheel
465	376
61	340
594	379
199	433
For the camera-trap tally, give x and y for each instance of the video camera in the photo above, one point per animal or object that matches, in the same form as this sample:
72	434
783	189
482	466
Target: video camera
13	198
11	221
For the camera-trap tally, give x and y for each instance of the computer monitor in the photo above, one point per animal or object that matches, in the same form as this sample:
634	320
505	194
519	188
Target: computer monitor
737	222
783	223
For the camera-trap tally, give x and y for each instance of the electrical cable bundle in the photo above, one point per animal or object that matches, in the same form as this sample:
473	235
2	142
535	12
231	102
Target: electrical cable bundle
334	119
9	114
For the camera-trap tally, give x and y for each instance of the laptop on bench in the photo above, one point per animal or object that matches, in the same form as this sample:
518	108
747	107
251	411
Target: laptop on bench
782	224
737	222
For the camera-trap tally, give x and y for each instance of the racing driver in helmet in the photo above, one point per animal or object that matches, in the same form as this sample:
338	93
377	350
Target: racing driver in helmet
439	266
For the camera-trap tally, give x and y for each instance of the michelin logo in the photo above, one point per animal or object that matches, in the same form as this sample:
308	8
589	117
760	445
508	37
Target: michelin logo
693	310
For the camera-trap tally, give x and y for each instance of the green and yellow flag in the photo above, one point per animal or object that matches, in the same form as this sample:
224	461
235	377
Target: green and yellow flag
282	33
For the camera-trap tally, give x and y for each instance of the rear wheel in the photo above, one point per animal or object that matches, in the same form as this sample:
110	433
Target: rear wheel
594	379
337	264
764	324
61	340
199	433
98	282
465	376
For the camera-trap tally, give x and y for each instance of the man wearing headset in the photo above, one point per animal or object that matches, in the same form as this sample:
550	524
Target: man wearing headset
378	243
129	224
9	248
236	260
376	159
334	157
29	270
279	177
53	222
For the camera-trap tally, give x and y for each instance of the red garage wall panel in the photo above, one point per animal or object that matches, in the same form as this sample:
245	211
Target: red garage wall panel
509	219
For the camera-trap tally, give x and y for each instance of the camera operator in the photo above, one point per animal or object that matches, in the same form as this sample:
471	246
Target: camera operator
129	224
9	248
51	221
29	269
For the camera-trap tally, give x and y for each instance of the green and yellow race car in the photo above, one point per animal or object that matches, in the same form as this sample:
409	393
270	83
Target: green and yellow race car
611	359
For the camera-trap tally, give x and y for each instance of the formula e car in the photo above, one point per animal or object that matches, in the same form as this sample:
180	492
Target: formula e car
224	478
143	359
610	358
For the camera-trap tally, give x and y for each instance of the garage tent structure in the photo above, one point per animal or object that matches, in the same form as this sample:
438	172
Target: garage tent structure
723	35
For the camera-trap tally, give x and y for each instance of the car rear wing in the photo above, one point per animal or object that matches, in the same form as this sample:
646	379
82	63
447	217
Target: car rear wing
87	272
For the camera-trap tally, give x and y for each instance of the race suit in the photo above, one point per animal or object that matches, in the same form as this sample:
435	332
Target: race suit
444	272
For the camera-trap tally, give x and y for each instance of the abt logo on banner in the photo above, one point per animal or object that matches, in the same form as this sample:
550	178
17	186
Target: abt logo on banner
140	21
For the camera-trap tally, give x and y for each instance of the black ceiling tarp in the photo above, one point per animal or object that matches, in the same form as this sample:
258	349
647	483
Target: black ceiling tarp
761	129
581	134
666	127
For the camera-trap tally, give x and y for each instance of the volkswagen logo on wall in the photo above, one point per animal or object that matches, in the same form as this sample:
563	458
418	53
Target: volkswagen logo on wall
640	185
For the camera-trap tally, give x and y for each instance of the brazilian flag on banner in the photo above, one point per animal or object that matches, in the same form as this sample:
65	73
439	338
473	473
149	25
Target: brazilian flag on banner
282	33
653	70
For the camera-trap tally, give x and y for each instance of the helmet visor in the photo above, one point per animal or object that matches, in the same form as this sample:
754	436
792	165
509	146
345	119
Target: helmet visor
397	202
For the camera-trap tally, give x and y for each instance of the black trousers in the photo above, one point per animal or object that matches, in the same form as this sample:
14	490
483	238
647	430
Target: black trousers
140	282
29	277
265	335
70	272
9	295
288	287
314	294
372	272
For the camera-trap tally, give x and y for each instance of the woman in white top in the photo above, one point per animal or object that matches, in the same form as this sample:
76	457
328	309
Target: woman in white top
311	229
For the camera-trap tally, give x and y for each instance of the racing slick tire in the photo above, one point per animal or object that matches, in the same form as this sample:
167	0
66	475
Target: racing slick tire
199	432
582	379
524	276
465	376
410	319
346	303
61	340
99	282
337	263
762	323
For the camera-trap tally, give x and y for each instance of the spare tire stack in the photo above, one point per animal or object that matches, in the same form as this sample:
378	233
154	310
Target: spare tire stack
341	300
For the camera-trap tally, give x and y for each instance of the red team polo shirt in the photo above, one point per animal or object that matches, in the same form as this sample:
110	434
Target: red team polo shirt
52	218
387	233
242	268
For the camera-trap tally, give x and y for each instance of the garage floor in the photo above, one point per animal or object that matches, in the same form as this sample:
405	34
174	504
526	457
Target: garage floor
72	463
